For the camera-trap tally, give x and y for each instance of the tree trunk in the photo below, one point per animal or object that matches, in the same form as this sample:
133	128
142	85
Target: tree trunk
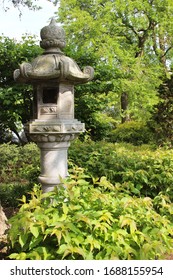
162	45
124	106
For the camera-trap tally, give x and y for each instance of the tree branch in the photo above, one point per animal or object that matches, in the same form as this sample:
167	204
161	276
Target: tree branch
168	49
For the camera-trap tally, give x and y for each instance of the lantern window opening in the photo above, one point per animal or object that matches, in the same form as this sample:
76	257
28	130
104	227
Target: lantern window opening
50	95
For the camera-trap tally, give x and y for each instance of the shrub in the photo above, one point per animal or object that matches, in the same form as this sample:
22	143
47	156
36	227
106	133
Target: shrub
136	133
85	220
164	206
139	170
19	169
16	161
10	193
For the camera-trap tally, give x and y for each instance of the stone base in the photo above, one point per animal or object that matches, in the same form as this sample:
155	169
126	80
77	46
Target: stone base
53	138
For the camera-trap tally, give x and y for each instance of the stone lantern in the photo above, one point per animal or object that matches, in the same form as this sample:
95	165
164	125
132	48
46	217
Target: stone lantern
53	76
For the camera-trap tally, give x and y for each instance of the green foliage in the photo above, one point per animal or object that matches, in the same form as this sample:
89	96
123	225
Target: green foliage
85	220
162	121
15	100
138	170
5	134
136	133
92	110
19	168
13	53
126	46
11	192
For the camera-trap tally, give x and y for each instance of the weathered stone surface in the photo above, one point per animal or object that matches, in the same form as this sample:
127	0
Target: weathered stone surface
53	64
3	222
53	163
37	127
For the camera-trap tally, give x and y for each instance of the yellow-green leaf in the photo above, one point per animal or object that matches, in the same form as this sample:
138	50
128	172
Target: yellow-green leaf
34	230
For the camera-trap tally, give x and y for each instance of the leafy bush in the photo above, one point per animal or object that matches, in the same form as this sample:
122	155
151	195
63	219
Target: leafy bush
164	206
139	170
133	132
10	193
19	169
18	161
84	220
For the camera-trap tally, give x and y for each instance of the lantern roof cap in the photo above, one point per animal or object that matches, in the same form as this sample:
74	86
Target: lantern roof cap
52	36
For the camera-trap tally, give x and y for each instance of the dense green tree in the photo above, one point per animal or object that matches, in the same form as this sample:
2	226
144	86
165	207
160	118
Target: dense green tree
162	119
15	100
132	37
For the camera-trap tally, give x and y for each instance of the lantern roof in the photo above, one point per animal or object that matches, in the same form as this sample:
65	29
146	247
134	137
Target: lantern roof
53	64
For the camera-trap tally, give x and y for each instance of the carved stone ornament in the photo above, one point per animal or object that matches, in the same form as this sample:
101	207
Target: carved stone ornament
46	138
48	110
53	64
36	127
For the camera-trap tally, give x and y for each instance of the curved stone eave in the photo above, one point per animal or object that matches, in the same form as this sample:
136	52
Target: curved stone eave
51	80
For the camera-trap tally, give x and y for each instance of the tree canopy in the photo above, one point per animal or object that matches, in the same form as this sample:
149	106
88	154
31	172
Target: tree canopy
132	38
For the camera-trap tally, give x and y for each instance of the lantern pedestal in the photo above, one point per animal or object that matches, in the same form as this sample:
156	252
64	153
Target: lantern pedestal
53	137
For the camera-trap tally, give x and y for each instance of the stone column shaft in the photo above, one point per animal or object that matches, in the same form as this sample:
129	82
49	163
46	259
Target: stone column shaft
53	164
